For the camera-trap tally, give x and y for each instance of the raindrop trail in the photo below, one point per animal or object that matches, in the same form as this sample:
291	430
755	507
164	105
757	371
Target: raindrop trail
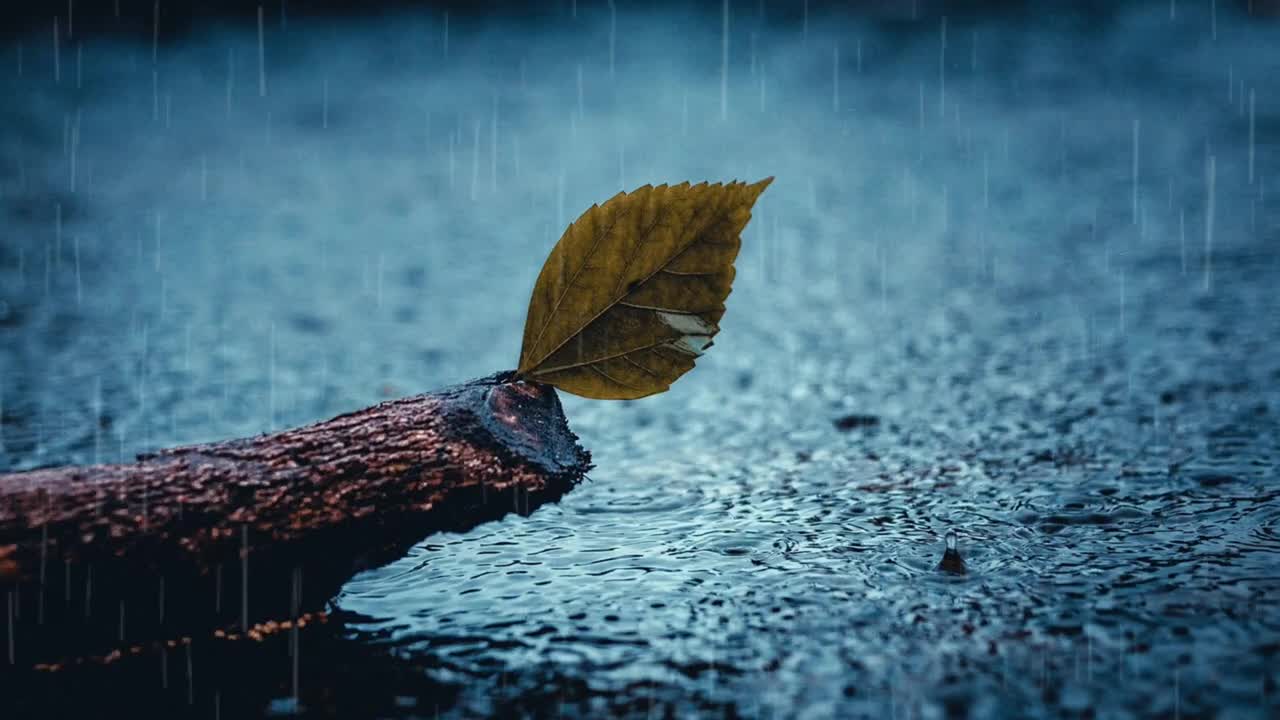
231	77
1252	134
244	578
475	159
613	34
1137	129
724	58
262	58
57	64
493	147
271	378
155	30
1182	239
835	78
942	70
1211	173
76	246
580	93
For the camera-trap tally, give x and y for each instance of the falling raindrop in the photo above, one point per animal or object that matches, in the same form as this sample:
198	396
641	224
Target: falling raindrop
75	241
622	166
156	217
493	147
57	231
382	264
560	211
835	78
48	265
1137	128
262	57
724	59
231	77
986	181
1252	136
515	155
1211	178
942	69
762	92
1182	239
1123	303
75	147
244	578
57	64
613	34
155	29
453	165
10	633
581	107
884	271
271	375
155	95
946	208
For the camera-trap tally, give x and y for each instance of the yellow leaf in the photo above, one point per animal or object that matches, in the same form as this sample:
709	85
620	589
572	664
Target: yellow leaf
635	288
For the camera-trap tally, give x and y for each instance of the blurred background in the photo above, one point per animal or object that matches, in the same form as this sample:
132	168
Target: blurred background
1014	283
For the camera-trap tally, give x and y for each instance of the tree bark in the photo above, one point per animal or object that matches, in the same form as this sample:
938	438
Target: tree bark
251	535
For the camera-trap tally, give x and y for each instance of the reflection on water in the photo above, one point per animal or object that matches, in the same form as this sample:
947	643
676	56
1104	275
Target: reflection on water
956	312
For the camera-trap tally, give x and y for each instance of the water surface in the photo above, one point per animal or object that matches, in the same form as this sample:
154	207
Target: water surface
1015	280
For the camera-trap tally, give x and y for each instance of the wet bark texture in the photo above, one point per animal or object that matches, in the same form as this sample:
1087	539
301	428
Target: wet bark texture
246	536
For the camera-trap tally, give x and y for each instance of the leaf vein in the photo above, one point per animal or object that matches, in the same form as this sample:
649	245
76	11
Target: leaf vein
618	214
582	363
612	379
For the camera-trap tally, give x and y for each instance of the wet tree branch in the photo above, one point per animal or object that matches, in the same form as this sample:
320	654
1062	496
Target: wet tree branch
229	535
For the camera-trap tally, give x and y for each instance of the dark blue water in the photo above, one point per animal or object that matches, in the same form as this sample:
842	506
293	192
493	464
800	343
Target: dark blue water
1037	257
